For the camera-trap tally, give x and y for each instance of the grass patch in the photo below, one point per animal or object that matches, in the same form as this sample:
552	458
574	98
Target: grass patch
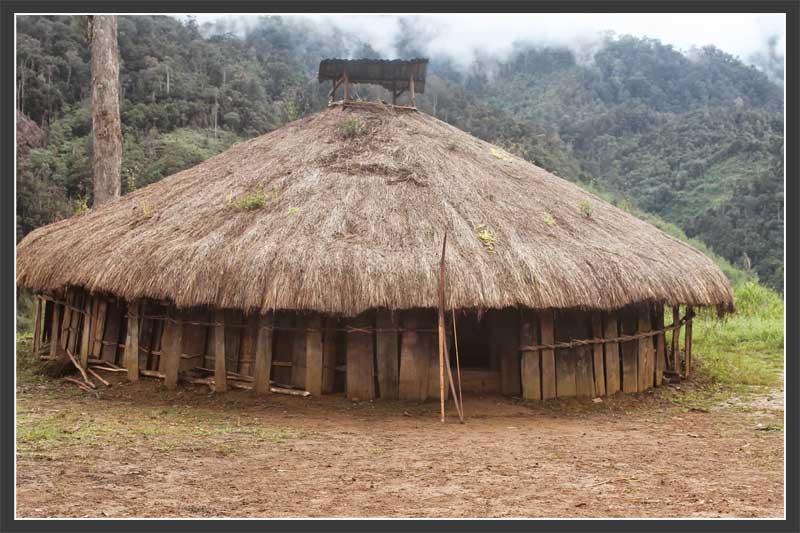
249	202
352	127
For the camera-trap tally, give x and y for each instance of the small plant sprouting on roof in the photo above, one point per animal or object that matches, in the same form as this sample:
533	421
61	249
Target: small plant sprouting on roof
486	237
452	146
249	202
145	209
549	220
293	210
585	207
500	154
352	127
81	206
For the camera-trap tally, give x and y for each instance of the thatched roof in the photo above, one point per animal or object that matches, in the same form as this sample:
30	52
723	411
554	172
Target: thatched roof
356	202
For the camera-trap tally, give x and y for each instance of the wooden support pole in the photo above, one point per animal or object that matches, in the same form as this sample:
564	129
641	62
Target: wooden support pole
299	351
411	88
529	365
99	328
676	342
55	326
37	325
548	356
86	333
413	359
75	321
360	357
688	340
611	330
263	365
646	361
329	356
132	343
597	355
346	87
660	342
629	349
220	375
314	349
171	348
388	362
66	318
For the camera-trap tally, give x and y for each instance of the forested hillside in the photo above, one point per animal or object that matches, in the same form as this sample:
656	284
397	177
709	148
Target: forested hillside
695	139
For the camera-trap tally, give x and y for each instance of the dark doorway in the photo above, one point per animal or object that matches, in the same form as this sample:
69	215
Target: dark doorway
473	340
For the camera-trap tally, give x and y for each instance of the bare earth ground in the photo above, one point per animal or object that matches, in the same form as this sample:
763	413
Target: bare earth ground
140	451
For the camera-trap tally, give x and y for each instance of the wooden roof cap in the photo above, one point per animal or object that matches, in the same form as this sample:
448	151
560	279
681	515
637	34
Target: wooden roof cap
392	74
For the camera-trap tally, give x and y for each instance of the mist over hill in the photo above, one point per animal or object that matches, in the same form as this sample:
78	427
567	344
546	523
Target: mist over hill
695	138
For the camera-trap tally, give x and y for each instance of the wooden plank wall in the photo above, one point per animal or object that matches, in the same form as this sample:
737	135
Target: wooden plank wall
361	358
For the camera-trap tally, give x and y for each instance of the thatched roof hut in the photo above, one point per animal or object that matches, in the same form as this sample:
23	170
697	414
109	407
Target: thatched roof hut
343	213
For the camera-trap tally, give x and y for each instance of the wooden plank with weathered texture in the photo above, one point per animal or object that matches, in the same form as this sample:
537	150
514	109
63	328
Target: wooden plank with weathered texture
360	357
194	338
299	352
329	356
413	360
86	332
660	344
584	376
99	328
676	341
630	350
220	360
566	358
547	328
75	321
171	349
284	344
263	363
313	357
55	326
647	356
66	318
37	325
145	334
597	355
132	344
388	361
430	345
530	372
612	361
506	340
233	337
687	342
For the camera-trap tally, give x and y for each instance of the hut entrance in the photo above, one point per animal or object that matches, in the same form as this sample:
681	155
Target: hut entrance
473	341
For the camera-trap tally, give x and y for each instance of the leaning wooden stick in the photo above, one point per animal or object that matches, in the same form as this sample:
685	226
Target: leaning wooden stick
95	374
83	372
442	342
458	365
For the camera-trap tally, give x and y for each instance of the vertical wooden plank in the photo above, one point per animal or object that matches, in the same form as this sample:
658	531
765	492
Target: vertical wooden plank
676	343
154	361
660	342
55	326
429	341
233	337
413	360
132	344
299	351
47	318
86	331
171	349
263	364
329	356
194	339
313	358
110	345
507	341
597	355
388	361
37	325
529	368
612	362
687	342
66	318
630	350
566	358
360	357
145	333
647	357
584	376
547	326
75	321
220	373
284	345
99	328
249	339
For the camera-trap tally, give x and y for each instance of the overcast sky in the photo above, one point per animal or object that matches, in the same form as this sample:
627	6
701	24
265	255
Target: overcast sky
740	34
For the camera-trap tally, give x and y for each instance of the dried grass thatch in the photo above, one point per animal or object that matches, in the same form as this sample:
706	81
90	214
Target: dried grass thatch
346	210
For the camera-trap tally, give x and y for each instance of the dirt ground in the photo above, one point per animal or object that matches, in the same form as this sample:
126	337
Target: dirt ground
141	451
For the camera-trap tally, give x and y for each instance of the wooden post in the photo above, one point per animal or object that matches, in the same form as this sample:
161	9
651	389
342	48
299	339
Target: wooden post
360	367
74	321
505	339
86	333
346	87
411	87
630	350
597	355
263	365
646	354
314	349
66	318
220	373
566	358
233	338
529	365
676	342
37	326
132	344
247	352
661	341
99	328
584	361
329	356
171	348
111	336
611	331
299	352
688	340
388	361
548	355
55	326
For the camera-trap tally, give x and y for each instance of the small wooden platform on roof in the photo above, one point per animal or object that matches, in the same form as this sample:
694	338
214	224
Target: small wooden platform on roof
395	75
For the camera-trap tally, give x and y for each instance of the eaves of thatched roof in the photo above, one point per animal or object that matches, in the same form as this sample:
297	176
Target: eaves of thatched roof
346	210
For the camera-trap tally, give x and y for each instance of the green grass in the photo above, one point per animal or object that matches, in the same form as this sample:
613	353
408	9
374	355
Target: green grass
744	349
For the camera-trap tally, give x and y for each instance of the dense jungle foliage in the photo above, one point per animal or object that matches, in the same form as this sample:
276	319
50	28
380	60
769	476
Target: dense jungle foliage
694	139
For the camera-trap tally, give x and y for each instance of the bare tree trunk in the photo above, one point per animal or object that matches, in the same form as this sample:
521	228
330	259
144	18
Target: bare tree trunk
106	128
